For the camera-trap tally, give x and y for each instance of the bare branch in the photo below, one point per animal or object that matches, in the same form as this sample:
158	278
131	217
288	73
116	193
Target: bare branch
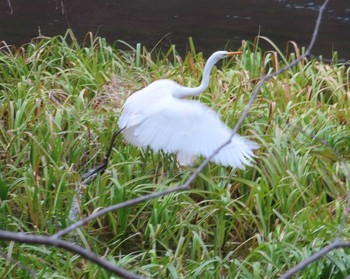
118	206
334	245
69	246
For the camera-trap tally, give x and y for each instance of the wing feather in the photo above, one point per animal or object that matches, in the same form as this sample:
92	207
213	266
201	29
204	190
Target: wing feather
185	127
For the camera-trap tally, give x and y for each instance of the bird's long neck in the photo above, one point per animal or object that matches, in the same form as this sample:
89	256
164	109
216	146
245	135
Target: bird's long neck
193	91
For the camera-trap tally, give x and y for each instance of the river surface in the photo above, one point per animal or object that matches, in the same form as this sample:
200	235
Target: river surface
213	24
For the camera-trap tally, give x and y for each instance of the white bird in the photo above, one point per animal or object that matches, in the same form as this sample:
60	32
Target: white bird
158	116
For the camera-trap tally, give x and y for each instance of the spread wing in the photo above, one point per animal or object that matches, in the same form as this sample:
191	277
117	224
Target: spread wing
187	128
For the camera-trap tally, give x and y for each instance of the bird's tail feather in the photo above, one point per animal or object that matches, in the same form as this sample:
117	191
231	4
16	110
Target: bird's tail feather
236	154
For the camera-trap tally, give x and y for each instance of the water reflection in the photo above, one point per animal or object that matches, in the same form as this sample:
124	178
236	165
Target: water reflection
342	14
213	24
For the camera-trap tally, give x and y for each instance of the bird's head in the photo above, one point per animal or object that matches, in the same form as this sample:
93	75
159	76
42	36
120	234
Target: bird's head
223	53
216	56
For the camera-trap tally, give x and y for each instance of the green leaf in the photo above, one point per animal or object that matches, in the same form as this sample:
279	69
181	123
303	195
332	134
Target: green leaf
3	189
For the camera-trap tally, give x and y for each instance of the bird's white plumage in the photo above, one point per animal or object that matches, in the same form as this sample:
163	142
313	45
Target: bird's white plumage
154	117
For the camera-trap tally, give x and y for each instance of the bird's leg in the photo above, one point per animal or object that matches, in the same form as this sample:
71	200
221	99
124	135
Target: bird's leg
101	168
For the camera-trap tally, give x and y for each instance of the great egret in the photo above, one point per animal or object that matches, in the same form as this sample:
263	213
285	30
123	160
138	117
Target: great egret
158	116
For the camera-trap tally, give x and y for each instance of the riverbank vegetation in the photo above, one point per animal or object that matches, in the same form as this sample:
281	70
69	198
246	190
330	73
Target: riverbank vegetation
59	105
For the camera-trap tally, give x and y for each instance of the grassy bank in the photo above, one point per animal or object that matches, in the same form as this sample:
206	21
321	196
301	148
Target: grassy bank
59	104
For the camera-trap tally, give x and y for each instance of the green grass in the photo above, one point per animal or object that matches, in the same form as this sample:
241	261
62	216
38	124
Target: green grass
59	104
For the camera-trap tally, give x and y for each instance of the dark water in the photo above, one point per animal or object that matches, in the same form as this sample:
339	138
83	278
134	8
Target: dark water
213	24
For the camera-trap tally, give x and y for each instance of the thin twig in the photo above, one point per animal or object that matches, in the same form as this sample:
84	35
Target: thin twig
69	246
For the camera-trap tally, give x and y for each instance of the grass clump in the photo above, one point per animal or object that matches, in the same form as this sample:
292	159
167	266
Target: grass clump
59	104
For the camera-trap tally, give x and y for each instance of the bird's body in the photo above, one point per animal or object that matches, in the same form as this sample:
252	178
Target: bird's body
158	116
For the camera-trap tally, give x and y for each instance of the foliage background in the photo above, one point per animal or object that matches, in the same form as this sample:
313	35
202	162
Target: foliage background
60	102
